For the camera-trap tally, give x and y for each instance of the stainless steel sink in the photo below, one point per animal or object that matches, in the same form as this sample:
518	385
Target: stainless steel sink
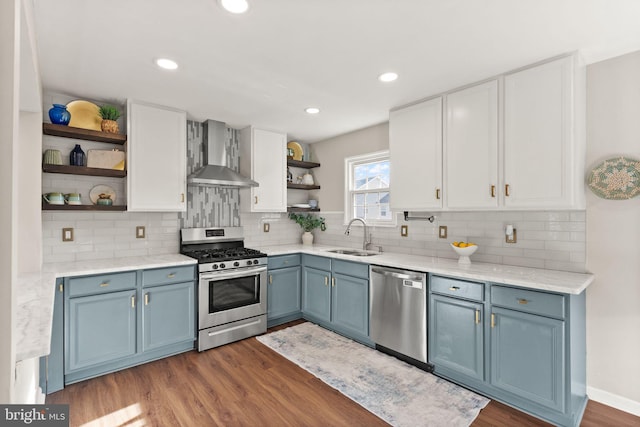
353	252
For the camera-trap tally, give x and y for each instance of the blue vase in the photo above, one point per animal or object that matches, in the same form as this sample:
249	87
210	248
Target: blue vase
76	157
59	115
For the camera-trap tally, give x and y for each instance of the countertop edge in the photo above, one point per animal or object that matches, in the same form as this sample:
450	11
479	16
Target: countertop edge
565	282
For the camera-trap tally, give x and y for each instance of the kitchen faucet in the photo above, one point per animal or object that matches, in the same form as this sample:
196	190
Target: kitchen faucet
366	241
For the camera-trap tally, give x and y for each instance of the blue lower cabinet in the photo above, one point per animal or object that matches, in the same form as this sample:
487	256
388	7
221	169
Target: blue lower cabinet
527	356
167	315
283	295
456	342
335	294
101	328
52	366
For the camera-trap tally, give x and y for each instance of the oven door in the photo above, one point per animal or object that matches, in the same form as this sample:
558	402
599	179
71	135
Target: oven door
227	296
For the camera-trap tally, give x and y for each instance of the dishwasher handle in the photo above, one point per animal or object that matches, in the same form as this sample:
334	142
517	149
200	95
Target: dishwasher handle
405	276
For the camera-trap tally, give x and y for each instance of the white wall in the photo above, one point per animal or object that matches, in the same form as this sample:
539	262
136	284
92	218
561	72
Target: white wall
613	233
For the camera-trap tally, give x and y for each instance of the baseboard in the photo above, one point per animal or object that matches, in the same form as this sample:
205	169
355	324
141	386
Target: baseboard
613	400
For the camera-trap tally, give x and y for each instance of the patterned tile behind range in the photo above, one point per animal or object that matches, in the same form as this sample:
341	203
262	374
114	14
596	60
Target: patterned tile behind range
210	206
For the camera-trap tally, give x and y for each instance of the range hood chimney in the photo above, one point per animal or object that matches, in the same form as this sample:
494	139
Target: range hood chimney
215	172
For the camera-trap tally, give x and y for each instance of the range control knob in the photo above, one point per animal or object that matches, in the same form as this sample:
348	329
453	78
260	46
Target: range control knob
222	266
249	262
255	261
214	266
236	264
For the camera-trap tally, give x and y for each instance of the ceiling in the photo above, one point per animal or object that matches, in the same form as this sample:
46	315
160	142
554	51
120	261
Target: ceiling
265	67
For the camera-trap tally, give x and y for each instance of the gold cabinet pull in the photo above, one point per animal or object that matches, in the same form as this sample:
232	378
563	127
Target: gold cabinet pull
477	317
256	200
171	275
437	194
326	281
454	288
333	282
507	191
522	301
146	298
493	191
493	320
103	284
61	287
182	197
133	301
270	279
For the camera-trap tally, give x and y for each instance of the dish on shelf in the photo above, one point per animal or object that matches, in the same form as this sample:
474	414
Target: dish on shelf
85	115
103	190
616	179
301	205
297	150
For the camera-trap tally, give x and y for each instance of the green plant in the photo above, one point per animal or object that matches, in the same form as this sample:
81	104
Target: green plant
109	112
308	222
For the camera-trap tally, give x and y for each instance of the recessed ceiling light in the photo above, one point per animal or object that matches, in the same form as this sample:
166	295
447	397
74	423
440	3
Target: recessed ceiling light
235	6
387	77
312	110
167	64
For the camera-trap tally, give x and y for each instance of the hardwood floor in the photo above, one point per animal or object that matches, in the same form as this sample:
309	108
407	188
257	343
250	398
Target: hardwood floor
247	384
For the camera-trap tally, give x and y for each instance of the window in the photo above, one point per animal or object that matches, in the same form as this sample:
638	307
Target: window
367	188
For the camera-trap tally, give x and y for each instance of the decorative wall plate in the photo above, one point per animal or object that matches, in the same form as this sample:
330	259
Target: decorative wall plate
95	192
297	150
616	179
85	115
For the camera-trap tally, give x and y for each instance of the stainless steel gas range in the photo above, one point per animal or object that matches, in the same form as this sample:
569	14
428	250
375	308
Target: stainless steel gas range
232	285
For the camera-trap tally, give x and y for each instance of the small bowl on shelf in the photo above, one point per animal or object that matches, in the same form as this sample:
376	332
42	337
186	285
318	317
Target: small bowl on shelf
465	251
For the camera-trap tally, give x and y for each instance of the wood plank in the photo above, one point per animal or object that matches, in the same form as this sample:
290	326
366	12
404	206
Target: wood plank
47	207
303	186
247	383
302	164
82	170
86	134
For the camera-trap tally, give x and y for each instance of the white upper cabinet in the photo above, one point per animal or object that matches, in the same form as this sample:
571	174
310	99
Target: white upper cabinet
544	136
263	157
471	147
157	158
415	147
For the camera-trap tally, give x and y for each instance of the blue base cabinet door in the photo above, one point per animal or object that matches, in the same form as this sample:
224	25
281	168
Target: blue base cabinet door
102	328
168	315
350	302
283	292
316	294
527	356
457	338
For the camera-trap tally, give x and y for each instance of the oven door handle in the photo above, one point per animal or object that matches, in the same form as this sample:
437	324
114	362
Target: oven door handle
222	275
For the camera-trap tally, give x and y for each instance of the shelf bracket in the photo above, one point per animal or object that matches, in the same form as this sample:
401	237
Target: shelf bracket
418	218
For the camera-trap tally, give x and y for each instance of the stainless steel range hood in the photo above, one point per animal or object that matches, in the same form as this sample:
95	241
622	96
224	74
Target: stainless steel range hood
215	172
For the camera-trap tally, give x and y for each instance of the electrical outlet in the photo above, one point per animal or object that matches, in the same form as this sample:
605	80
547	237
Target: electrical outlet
513	238
140	232
265	227
442	232
67	234
404	230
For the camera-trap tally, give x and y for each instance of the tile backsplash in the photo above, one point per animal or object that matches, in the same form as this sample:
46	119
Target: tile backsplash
553	240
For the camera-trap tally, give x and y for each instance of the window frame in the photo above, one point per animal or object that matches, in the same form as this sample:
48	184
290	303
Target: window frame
349	165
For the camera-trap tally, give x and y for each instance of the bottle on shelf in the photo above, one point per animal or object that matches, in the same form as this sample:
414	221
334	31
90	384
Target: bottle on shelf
76	157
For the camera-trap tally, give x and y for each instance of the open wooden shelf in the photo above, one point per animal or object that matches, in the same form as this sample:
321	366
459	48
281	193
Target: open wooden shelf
303	186
48	207
86	134
302	164
292	209
82	170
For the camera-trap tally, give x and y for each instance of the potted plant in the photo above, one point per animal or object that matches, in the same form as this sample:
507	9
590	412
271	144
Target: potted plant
109	115
308	223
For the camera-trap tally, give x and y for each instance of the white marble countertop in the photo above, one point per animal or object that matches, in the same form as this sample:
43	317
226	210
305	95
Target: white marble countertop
35	295
533	278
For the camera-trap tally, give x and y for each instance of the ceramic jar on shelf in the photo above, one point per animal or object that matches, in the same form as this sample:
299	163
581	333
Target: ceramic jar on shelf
77	157
59	115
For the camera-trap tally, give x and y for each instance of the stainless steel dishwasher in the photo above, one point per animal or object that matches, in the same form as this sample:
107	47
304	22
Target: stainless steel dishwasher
398	313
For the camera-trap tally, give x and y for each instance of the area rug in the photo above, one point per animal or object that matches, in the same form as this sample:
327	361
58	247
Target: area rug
397	392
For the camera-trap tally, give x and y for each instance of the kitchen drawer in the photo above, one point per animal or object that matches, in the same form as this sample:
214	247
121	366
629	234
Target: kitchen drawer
100	284
282	261
161	276
321	263
542	303
351	268
457	288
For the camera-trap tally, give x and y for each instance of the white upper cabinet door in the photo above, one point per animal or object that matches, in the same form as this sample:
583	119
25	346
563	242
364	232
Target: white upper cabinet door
471	147
415	147
157	158
263	157
544	136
